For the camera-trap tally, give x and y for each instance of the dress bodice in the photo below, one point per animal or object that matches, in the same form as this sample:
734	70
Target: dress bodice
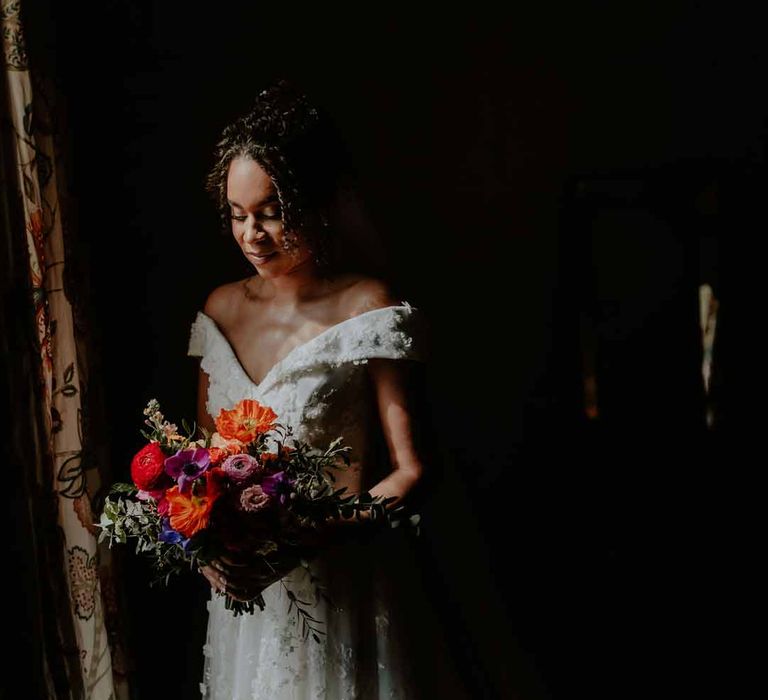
374	612
320	388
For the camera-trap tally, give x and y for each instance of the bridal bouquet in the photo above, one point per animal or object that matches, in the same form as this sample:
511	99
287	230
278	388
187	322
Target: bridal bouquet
249	487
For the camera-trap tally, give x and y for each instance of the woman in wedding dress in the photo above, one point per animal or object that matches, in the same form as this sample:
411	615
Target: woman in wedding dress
333	352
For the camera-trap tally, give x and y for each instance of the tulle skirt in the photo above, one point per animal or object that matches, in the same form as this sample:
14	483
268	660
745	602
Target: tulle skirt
383	637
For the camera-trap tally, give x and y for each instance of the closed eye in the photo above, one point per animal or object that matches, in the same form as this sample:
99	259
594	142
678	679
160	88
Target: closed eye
273	213
269	216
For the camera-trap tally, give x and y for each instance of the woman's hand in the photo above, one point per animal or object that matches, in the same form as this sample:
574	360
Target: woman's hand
215	577
244	577
338	531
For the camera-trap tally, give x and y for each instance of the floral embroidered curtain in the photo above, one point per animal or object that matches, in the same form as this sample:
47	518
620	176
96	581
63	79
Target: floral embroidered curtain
67	577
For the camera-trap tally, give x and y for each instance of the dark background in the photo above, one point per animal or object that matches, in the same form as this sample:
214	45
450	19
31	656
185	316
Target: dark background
539	177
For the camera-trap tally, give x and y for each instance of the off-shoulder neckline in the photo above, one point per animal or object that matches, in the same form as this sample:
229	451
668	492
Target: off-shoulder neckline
301	346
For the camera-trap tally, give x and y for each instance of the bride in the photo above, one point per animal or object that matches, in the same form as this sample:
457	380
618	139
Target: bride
333	352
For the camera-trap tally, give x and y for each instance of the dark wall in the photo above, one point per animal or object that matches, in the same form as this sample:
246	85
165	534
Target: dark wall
489	146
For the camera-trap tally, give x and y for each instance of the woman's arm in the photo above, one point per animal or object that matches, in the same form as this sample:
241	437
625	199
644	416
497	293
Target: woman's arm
216	305
390	379
204	419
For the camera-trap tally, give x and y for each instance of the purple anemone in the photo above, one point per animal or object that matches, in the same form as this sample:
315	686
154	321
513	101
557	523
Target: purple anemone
187	465
278	486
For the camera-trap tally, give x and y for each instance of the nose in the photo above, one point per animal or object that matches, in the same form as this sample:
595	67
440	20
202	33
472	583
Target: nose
253	232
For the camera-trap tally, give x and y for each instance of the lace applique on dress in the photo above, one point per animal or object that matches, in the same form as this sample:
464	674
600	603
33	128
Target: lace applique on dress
198	337
395	332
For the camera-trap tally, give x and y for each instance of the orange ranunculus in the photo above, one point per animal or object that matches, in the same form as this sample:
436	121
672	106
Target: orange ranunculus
189	512
246	421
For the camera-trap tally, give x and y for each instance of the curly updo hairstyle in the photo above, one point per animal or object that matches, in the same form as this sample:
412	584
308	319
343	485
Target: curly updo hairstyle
300	148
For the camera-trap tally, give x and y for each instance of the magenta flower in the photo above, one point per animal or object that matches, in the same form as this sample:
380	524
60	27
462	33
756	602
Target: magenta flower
163	506
241	467
187	465
253	499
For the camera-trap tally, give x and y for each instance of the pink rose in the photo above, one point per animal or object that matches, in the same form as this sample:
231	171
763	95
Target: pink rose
253	499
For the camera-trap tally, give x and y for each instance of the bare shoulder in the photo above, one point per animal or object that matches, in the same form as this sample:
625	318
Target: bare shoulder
366	294
223	301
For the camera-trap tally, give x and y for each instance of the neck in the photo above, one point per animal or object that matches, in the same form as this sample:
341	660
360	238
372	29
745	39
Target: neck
289	291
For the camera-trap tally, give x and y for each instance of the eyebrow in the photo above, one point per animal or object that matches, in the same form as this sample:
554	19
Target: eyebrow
269	200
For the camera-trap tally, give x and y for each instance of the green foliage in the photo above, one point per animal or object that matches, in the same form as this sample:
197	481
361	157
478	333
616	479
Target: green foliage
315	502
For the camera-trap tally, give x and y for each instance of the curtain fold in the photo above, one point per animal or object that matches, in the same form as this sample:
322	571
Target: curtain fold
68	618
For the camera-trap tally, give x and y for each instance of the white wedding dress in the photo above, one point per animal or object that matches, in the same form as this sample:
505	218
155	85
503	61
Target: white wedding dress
381	637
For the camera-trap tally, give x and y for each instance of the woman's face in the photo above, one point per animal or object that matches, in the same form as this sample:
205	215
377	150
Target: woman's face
256	222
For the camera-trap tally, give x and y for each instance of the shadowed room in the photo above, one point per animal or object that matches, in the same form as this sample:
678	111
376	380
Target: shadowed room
569	195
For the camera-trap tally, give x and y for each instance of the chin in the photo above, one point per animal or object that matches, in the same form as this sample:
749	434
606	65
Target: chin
260	268
267	274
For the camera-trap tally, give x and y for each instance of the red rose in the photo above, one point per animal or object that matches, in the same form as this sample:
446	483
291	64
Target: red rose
148	467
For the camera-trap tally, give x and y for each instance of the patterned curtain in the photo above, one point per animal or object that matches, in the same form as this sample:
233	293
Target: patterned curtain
68	579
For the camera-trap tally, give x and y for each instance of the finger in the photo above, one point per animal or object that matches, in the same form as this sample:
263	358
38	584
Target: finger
216	579
206	572
218	566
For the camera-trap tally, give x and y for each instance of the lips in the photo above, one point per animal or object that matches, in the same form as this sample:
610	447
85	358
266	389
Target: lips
261	257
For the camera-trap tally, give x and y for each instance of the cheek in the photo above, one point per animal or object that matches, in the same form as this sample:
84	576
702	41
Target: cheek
296	246
283	242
